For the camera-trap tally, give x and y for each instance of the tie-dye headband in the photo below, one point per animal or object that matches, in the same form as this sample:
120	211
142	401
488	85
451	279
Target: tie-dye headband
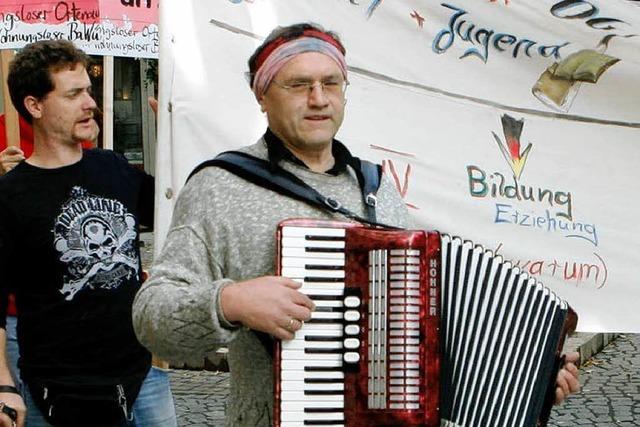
269	66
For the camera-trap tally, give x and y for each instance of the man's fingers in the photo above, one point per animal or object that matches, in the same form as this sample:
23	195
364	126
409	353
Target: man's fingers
290	283
303	300
283	334
9	151
300	312
572	357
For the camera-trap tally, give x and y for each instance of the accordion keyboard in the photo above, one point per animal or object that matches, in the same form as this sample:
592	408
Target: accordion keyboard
312	378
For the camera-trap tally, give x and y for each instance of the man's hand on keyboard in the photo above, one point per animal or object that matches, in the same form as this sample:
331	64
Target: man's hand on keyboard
269	304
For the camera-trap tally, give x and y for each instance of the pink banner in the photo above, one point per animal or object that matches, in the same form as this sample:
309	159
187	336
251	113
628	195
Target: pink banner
100	27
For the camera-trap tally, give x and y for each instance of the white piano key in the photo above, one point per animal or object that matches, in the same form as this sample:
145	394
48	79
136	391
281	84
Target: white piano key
323	326
309	254
413	260
289	385
413	268
409	406
396	405
396	381
298	373
396	389
301	242
414	301
304	332
329	303
412	373
319	286
397	292
326	315
412	293
301	272
302	344
299	396
396	341
396	268
412	316
336	291
412	341
413	253
398	301
295	231
397	252
302	405
397	260
412	349
301	416
412	381
413	390
301	355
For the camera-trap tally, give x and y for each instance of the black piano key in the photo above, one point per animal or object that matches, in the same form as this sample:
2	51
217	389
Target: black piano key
324	297
311	279
321	369
324	250
322	422
318	338
324	380
323	350
324	238
322	410
323	267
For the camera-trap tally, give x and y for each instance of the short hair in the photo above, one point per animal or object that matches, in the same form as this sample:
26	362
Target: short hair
31	69
283	34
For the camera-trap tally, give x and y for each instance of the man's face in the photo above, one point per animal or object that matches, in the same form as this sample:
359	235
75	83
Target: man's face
66	113
305	121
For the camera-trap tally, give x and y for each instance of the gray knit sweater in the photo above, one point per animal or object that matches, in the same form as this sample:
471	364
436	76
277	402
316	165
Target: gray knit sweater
223	230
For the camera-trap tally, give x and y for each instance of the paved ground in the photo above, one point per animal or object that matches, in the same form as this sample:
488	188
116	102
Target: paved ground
610	389
610	393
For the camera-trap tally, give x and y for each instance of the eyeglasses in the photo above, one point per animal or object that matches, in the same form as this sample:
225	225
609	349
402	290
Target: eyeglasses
329	87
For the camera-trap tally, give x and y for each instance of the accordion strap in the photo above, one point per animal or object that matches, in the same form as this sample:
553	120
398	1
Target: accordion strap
259	172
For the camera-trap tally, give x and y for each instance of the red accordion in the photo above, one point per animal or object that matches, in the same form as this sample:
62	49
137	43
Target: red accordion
413	328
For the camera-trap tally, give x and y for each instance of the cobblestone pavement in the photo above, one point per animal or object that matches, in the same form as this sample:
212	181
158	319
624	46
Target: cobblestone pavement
610	395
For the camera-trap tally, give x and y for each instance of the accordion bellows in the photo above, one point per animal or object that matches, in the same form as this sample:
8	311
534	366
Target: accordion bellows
413	328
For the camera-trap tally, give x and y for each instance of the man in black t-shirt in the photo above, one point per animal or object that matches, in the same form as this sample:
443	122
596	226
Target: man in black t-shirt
69	246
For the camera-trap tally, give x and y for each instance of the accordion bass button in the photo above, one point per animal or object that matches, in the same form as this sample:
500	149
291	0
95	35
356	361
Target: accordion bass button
352	302
351	315
351	343
351	357
351	330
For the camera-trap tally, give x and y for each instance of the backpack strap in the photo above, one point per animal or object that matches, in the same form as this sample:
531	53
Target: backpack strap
259	172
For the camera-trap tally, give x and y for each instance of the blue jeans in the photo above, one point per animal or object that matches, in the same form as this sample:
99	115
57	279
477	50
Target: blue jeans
153	406
13	351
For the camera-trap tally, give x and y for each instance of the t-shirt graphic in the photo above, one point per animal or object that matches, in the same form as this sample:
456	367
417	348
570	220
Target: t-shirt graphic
95	237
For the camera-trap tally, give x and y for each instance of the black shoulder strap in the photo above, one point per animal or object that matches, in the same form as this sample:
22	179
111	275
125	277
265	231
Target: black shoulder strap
259	172
371	174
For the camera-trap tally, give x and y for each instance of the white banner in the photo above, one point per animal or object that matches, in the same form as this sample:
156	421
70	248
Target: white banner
99	27
514	125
